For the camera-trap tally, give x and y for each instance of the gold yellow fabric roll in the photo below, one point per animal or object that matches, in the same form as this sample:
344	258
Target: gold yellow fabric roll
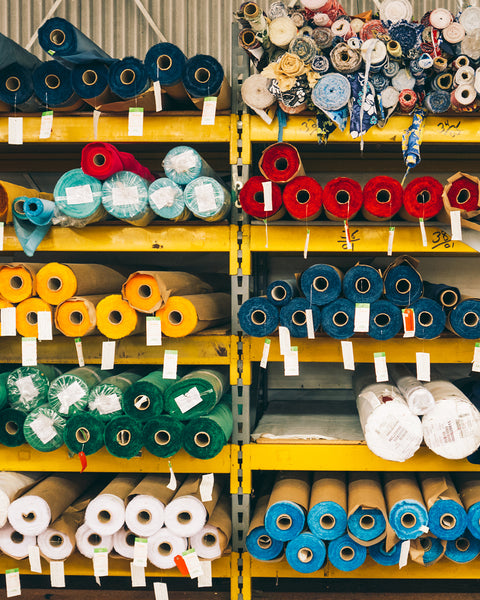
147	291
77	316
10	191
18	280
27	316
184	315
56	282
117	319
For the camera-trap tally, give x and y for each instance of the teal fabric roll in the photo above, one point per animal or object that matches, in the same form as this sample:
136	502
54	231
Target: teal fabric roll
28	233
167	200
43	429
183	164
79	196
125	197
207	199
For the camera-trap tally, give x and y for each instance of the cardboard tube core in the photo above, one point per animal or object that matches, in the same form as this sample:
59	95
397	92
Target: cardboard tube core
130	539
165	549
94	539
75	317
425	318
327	521
54	284
115	317
408	520
175	317
278	293
99	160
305	555
52	81
144	516
381	320
20	207
11	427
32	317
251	9
340	318
344	56
29	517
202	439
423	197
462	544
383	196
463	196
162	438
367	521
57	37
184	517
89	77
248	37
284	522
449	298
164	62
403	286
127	76
202	75
82	435
124	437
264	542
299	317
462	61
347	553
142	402
16	537
362	285
303	196
426	544
16	282
258	317
104	516
448	521
342	197
55	540
320	284
470	319
145	291
209	540
444	82
12	84
281	164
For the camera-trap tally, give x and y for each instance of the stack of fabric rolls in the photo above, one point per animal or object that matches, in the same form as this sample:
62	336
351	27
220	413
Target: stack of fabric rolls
344	516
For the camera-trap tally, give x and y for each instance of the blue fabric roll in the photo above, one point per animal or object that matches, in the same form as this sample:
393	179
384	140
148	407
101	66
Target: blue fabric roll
128	77
202	76
67	44
362	283
281	291
39	211
11	52
446	295
345	554
164	63
358	520
473	520
385	320
464	319
320	64
432	549
306	553
447	519
52	83
16	88
321	284
402	511
403	285
125	197
332	513
167	200
430	319
258	317
380	555
331	92
293	316
379	81
391	68
464	549
437	101
86	90
28	234
78	208
262	546
183	164
296	520
337	319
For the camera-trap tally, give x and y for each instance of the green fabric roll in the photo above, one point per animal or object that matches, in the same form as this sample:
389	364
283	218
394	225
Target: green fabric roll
27	387
84	433
3	389
123	437
11	427
144	399
68	393
43	429
105	399
210	385
162	436
206	436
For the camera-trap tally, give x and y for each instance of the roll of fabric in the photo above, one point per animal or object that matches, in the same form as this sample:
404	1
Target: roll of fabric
203	76
43	429
117	319
385	320
258	542
302	198
79	196
446	295
323	37
427	550
18	281
90	83
382	198
345	59
84	433
430	319
144	514
87	540
462	96
304	47
205	437
211	541
105	399
362	284
327	512
128	78
123	436
280	163
184	164
293	316
345	554
422	198
252	199
306	553
165	62
29	229
27	316
321	284
453	33
16	88
443	82
337	318
77	317
167	200
468	487
11	52
68	393
385	557
13	485
282	32
15	544
464	75
205	387
144	398
3	385
11	427
437	102
38	211
162	436
402	282
464	549
418	398
207	199
332	91
367	513
462	192
342	198
258	317
407	513
163	546
255	92
27	387
125	197
124	542
52	84
9	192
288	505
186	315
102	160
407	100
464	319
281	291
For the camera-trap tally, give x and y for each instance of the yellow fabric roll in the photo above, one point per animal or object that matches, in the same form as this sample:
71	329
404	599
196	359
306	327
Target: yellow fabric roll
117	319
27	316
56	282
18	280
10	191
184	315
77	317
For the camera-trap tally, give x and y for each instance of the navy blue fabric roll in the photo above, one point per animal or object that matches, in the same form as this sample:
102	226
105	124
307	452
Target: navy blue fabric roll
430	319
69	45
96	72
321	284
281	291
437	101
52	83
16	88
327	520
380	555
362	283
345	554
306	553
11	52
164	63
337	319
202	76
128	77
385	320
463	549
262	546
446	295
284	520
366	524
447	519
379	81
403	285
464	319
258	317
293	316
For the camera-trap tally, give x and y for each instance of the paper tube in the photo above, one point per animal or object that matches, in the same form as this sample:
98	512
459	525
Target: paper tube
185	315
15	544
367	511
288	505
57	282
13	485
210	542
87	540
427	550
17	280
27	317
163	546
327	513
10	191
77	316
468	486
117	319
147	291
407	512
258	542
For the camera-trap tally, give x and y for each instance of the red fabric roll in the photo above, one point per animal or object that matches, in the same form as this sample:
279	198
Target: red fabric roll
422	198
382	198
302	198
251	199
102	160
280	163
463	193
407	100
342	198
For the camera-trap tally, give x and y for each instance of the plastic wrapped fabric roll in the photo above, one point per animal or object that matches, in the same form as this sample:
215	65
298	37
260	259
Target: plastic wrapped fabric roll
447	518
464	549
385	320
342	198
123	437
327	512
422	198
203	76
52	83
10	191
418	398
306	553
384	557
345	554
255	92
27	387
302	198
464	319
84	433
203	388
402	282
105	399
144	514
258	317
117	319
79	196
391	430
293	316
102	160
68	393
430	319
90	82
280	163
207	199
204	437
3	388
407	513
77	317
125	197
382	198
128	78
446	295
162	436
362	284
13	485
288	505
281	291
184	164
165	62
15	544
251	198
367	513
124	542
43	429
167	200
427	550
16	88
337	319
451	428
186	315
163	546
468	487
258	542
17	280
11	427
27	316
87	540
321	284
144	398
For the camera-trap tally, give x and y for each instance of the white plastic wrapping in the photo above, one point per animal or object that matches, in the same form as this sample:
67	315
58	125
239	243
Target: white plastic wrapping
418	398
11	485
29	515
124	542
163	546
185	516
144	515
105	514
207	543
87	540
55	545
15	544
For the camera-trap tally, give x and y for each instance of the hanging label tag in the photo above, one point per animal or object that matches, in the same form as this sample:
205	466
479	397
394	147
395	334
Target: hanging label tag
44	325
100	562
154	331
423	232
307	241
423	366
12	582
8	321
404	552
181	566
57	573
79	349
157	92
456	223
172	484
290	363
138	575
160	590
206	487
29	352
391	235
96	118
205	580
34	559
381	371
209	110
310	327
476	358
193	563
347	235
15	131
46	125
347	354
2	236
170	359
408	316
108	356
424	528
135	121
140	552
284	338
362	318
265	353
267	196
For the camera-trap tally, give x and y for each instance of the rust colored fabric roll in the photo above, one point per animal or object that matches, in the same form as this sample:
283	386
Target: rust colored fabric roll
148	291
382	198
117	319
10	191
342	198
184	315
422	198
281	162
18	280
27	316
252	199
77	316
303	198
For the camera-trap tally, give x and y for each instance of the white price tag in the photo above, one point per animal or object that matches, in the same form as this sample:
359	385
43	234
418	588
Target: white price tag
44	325
423	232
29	352
123	195
57	573
12	582
347	235
209	110
347	354
2	236
205	580
391	235
310	327
187	401
284	338
404	552
154	331
8	320
157	92
108	356
140	552
290	363
15	131
79	349
206	487
170	360
192	563
100	562
362	318
138	575
476	358
267	196
408	316
160	590
381	371
164	196
423	366
205	198
34	559
172	484
135	121
456	223
265	353
79	194
46	124
307	241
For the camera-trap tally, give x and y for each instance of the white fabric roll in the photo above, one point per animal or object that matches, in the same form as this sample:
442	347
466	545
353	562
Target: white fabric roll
29	515
470	19
282	31
313	4
55	545
11	486
440	18
144	515
465	75
465	94
255	93
341	27
185	516
418	398
391	431
403	81
376	49
396	10
452	428
206	543
87	540
354	43
124	542
163	546
454	33
105	514
15	544
390	97
321	19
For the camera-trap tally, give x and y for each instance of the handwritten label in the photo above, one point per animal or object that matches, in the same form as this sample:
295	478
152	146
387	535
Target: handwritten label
362	318
451	130
354	236
265	353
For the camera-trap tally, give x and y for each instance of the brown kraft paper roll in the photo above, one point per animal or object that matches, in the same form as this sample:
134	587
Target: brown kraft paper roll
155	485
468	486
122	485
223	97
293	486
77	317
145	101
329	487
421	545
437	486
221	518
191	487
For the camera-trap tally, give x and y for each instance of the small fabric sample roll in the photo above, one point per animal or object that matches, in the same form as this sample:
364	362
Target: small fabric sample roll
84	433
167	200
327	513
302	198
362	284
258	317
345	59
293	316
337	318
342	198
382	198
306	553
163	546
79	196
125	197
422	198
88	540
321	284
128	77
345	554
430	319
162	436
43	429
288	505
402	282
252	199
280	163
207	199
